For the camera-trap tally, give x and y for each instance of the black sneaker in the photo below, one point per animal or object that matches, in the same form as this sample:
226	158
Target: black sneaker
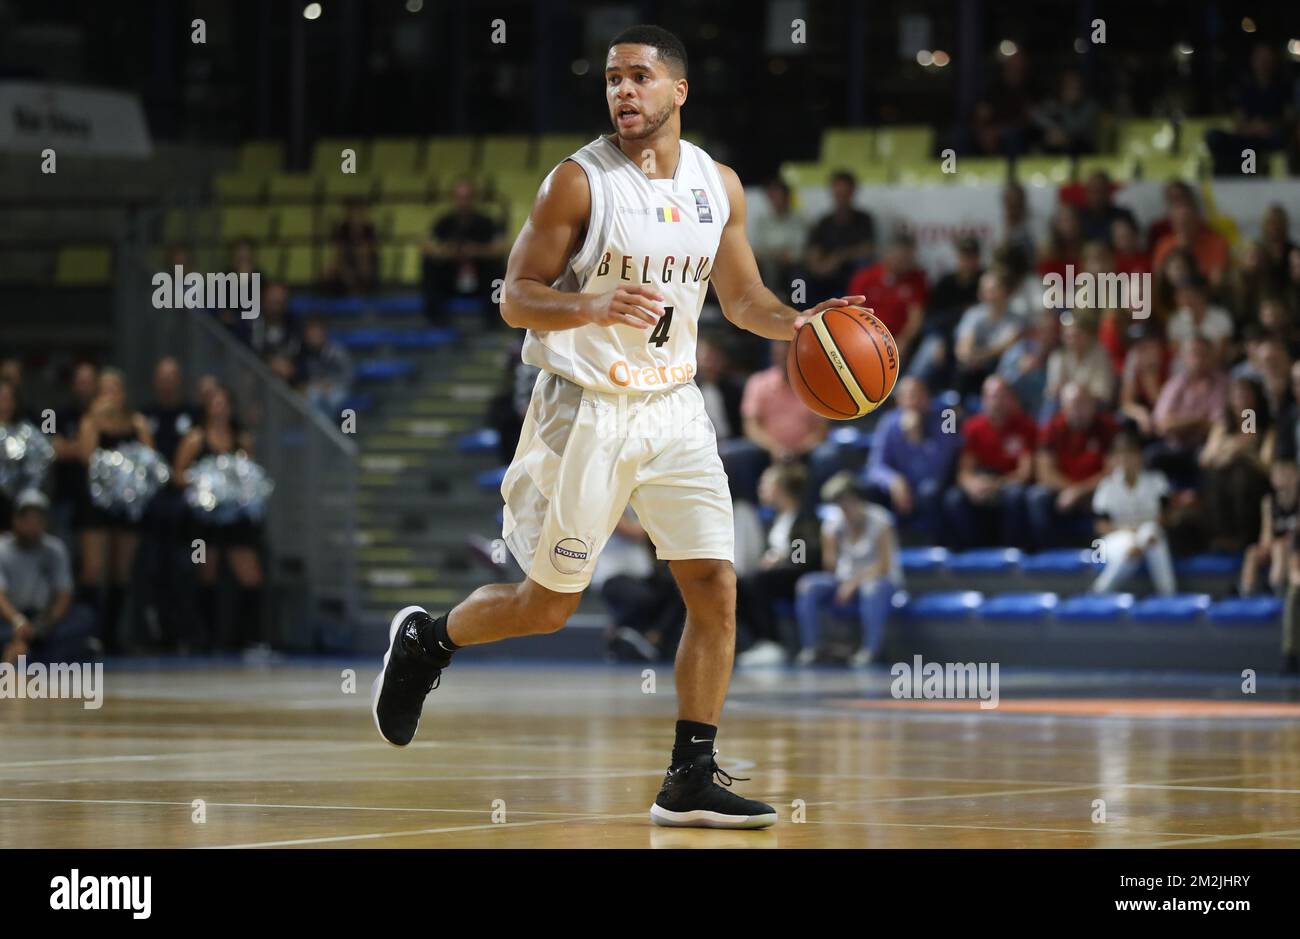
409	674
691	799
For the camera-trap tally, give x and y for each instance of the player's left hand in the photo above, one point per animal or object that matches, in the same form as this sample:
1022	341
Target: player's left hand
833	302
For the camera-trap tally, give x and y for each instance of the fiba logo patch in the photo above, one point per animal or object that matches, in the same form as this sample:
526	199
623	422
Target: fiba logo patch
569	555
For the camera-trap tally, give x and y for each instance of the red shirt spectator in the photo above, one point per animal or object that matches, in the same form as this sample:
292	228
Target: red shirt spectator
1079	453
998	449
889	295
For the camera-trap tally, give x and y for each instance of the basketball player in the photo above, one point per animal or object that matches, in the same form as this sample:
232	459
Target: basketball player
608	276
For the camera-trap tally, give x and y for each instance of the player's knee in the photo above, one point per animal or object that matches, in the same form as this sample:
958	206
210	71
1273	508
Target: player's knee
712	581
548	612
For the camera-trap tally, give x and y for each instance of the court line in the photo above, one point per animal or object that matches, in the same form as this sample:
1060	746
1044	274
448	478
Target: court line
1099	830
1214	839
1211	788
274	805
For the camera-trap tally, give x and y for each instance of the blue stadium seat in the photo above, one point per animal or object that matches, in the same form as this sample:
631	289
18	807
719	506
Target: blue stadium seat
400	304
946	604
986	561
491	479
765	514
363	338
384	369
1019	606
921	560
851	437
1056	562
483	440
1201	565
1094	607
1180	608
359	403
309	304
423	338
1246	611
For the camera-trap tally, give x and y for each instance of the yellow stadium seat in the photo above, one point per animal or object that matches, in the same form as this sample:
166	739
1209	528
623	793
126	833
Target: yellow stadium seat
399	264
1191	132
797	175
239	187
1121	169
413	222
292	187
848	146
874	173
519	186
448	157
926	173
1161	166
244	221
553	149
1145	137
294	223
299	265
506	152
394	155
404	187
261	157
904	143
83	266
327	155
348	186
1042	170
1277	166
982	171
270	260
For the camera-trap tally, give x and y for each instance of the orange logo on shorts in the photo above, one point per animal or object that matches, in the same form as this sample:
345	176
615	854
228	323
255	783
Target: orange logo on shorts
650	376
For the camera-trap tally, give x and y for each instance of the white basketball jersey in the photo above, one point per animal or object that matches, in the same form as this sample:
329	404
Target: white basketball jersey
658	232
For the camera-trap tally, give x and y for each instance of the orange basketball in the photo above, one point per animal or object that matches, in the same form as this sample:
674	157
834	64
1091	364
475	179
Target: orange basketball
843	363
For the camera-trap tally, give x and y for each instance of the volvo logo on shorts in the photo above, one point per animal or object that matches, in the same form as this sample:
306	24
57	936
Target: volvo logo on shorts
569	555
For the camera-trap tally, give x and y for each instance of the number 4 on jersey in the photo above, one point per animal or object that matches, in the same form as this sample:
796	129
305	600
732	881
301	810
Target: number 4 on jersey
660	334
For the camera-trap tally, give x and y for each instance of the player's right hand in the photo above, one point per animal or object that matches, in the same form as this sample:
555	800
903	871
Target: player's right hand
635	305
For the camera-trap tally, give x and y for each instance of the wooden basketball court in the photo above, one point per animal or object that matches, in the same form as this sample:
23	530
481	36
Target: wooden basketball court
571	756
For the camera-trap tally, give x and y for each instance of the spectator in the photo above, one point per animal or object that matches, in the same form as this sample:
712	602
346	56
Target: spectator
1261	110
1017	230
986	331
1129	504
1248	283
323	370
1177	192
1234	464
778	237
793	549
1024	364
1275	323
242	262
1287	441
275	336
840	242
1292	289
1064	243
1129	255
862	569
169	415
11	417
464	254
107	534
1276	548
646	610
719	388
996	464
1189	232
1146	369
354	266
1068	123
70	482
895	290
1082	360
1001	121
238	542
912	457
1099	214
776	426
1071	462
1276	246
1178	267
1197	318
1189	403
37	616
953	294
1269	364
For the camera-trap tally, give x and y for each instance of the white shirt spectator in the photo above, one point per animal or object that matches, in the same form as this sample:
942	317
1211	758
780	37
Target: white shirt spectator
1216	326
854	554
1130	506
1093	370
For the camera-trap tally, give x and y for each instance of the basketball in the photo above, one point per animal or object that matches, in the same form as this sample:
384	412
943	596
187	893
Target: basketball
843	363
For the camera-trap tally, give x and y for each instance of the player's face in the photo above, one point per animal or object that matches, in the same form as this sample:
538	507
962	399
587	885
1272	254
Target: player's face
640	91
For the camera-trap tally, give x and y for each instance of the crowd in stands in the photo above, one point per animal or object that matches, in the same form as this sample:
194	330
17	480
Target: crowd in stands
81	579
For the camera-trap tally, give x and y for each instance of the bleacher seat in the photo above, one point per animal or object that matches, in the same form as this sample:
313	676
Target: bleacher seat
363	338
327	156
1216	564
445	158
394	155
1094	607
427	338
1120	169
1019	606
797	175
1182	608
261	157
359	403
239	187
384	370
923	560
553	148
292	187
483	440
946	604
404	187
294	222
491	479
244	221
847	147
83	266
1057	561
1160	166
1142	137
506	152
985	561
1264	610
1042	170
343	186
300	265
904	143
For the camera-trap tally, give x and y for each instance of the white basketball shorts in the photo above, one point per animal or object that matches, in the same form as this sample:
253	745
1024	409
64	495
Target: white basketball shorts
584	455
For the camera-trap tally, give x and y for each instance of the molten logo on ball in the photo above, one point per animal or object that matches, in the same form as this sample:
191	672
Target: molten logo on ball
843	363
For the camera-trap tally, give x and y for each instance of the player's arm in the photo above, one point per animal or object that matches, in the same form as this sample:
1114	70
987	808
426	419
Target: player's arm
548	240
745	301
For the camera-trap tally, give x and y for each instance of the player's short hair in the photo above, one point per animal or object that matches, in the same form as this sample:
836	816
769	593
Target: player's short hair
666	44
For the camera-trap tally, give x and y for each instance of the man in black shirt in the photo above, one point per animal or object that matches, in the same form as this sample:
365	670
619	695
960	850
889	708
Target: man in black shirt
169	415
1262	109
842	241
463	256
955	292
1100	211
